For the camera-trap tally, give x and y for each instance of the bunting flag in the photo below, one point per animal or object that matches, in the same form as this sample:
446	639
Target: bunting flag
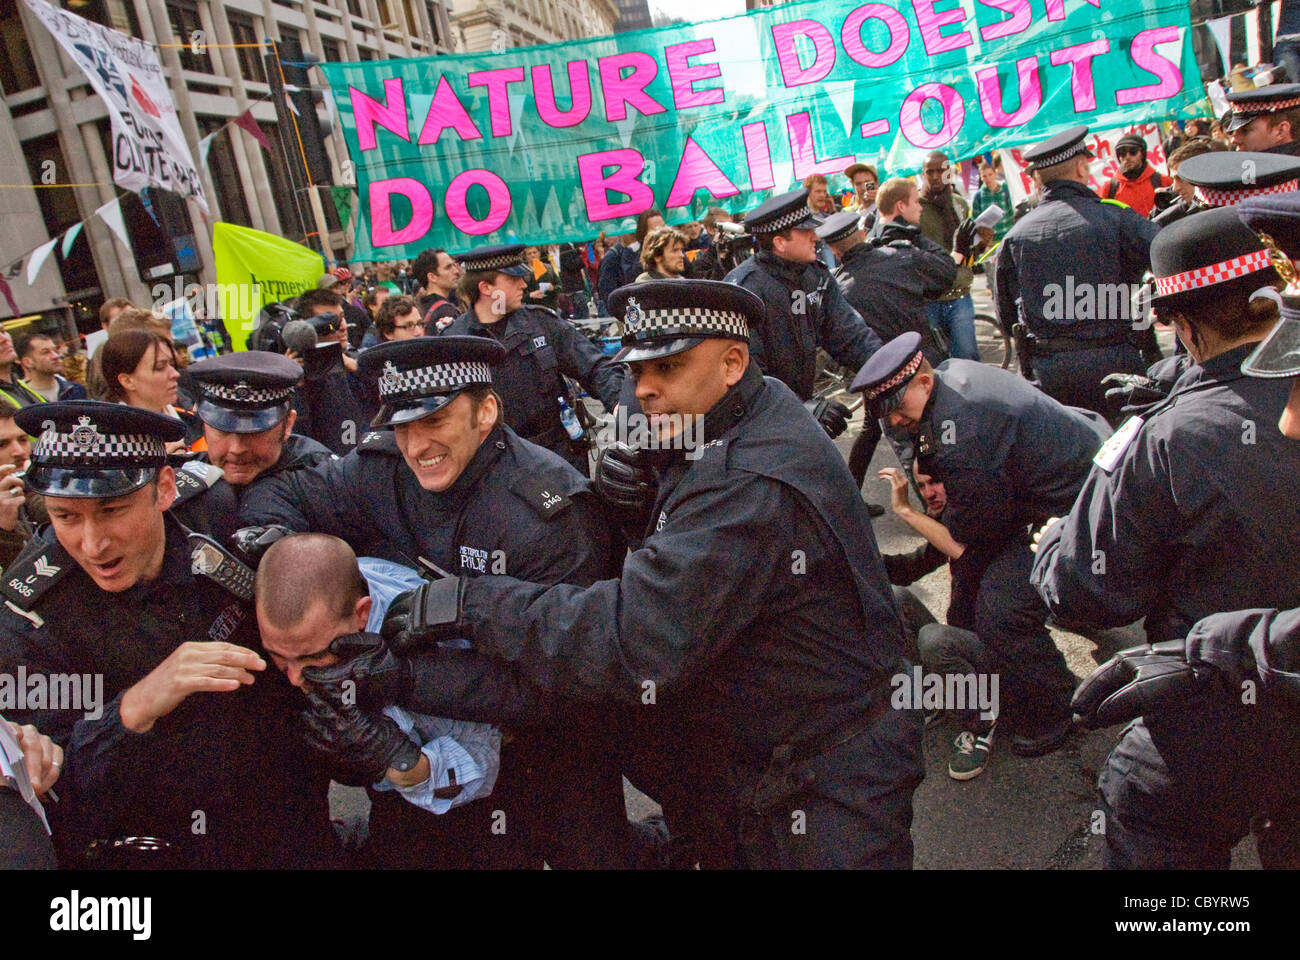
1221	29
8	295
36	259
205	146
250	126
341	197
70	237
148	207
111	214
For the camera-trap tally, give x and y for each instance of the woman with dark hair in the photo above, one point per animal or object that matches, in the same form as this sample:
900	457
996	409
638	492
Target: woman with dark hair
1185	514
648	221
139	368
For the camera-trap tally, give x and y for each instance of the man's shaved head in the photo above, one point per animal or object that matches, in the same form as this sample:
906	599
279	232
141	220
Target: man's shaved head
301	570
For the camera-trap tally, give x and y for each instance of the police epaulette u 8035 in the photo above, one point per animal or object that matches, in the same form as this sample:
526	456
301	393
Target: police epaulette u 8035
42	564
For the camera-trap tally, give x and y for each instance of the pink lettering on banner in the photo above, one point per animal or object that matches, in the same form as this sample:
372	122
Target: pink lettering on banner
698	172
498	87
798	126
382	231
1080	59
793	72
596	184
873	128
954	115
621	92
683	75
1021	17
446	110
1144	55
1055	9
758	156
579	95
1030	94
932	21
457	201
369	113
900	35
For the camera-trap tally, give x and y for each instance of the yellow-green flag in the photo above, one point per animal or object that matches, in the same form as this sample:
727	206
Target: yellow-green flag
256	268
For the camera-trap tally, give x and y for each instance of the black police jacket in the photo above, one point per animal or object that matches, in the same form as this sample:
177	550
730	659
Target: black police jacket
516	509
327	402
888	282
1190	519
756	611
1261	643
1067	268
224	778
542	349
1008	454
805	310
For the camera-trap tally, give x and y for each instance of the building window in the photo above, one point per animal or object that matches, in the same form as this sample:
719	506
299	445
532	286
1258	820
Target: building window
434	26
226	181
17	68
332	51
185	21
243	29
118	14
354	8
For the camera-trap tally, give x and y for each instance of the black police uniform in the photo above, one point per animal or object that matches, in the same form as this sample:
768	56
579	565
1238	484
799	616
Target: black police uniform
1104	248
251	392
1189	519
1009	457
805	308
518	508
889	280
741	634
224	778
541	350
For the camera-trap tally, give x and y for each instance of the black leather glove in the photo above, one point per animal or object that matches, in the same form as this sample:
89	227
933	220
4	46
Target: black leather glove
964	239
831	414
626	485
1132	392
367	674
360	747
1139	681
420	618
252	542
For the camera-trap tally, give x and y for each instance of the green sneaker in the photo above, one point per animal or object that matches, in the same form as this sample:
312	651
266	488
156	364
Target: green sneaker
970	754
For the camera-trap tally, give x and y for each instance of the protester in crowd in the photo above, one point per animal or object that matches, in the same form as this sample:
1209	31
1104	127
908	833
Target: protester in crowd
42	368
140	371
331	401
20	512
437	273
945	219
358	318
663	254
621	263
820	201
398	319
1184	202
1138	181
543	288
993	190
865	181
574	298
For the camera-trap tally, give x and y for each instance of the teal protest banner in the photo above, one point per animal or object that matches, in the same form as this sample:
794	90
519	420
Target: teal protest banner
560	142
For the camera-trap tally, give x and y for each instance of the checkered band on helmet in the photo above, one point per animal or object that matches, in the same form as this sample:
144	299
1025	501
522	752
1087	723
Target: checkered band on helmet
498	262
1214	197
84	445
785	220
397	384
906	371
242	394
641	323
1214	273
1265	106
1052	159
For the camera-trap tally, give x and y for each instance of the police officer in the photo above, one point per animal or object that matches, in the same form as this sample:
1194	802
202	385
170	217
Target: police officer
805	307
889	280
1009	456
756	614
541	350
192	756
1067	271
452	488
1266	118
1219	180
1191	518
